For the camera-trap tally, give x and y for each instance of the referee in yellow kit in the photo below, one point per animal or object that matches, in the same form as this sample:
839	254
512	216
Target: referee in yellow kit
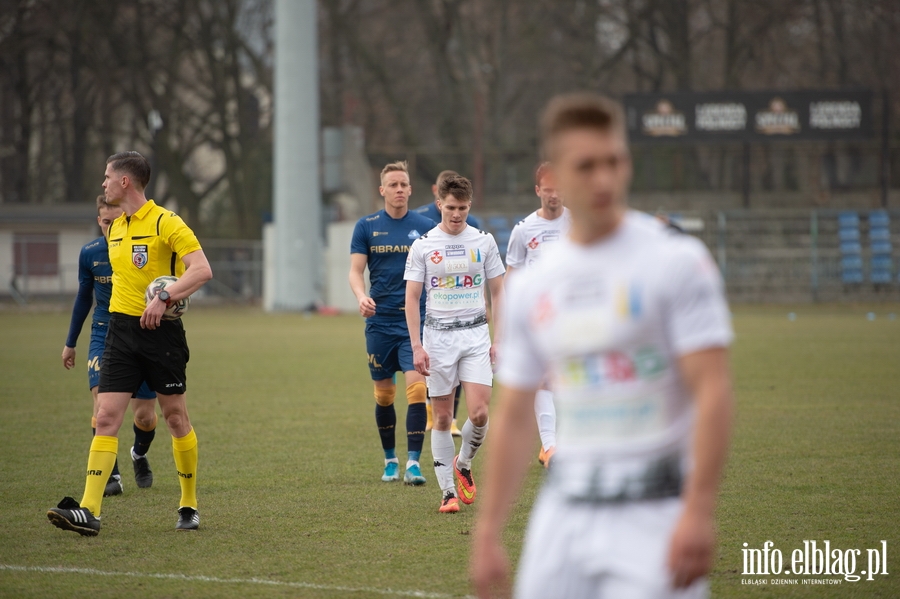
146	242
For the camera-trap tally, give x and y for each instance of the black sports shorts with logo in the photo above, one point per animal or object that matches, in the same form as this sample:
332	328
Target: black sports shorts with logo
133	355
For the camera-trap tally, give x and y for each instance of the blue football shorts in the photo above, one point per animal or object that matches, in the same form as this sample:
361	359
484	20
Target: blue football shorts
95	352
389	350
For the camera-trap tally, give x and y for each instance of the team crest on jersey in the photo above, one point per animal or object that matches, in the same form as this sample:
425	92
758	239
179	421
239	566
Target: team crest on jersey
534	243
436	257
414	234
139	255
475	255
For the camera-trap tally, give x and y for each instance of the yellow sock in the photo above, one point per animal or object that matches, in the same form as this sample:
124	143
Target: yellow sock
185	451
100	464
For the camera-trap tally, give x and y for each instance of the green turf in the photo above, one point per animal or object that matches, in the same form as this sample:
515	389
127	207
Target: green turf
289	480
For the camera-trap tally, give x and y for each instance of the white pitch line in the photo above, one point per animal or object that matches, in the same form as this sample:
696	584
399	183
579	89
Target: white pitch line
262	581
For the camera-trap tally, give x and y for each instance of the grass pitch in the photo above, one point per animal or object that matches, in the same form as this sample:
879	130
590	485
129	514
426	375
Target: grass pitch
290	494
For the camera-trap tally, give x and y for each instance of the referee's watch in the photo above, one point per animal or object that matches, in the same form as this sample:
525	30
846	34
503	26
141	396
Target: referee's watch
164	296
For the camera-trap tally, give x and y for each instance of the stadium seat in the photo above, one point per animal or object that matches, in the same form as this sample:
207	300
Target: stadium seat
879	219
852	276
848	219
851	263
882	265
847	234
851	248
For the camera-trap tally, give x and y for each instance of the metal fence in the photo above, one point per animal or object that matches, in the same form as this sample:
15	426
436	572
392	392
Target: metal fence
237	268
764	255
792	255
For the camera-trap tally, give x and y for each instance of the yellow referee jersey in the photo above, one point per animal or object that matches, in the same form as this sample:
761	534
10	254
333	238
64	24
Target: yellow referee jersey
146	245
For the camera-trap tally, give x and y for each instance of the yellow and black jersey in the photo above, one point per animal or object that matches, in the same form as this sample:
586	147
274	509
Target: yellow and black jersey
143	246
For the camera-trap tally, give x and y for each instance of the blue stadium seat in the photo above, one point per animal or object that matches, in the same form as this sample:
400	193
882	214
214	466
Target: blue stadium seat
852	276
846	234
851	263
882	264
848	219
851	247
879	219
880	234
881	247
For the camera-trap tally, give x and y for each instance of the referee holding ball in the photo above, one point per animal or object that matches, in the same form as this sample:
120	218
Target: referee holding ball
146	242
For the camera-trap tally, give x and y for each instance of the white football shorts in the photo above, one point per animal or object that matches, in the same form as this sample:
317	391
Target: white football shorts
577	550
457	355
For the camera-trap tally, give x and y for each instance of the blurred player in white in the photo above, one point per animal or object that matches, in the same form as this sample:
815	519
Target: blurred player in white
629	320
453	263
528	240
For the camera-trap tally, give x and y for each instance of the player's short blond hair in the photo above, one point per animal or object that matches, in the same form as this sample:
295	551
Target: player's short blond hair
395	167
580	110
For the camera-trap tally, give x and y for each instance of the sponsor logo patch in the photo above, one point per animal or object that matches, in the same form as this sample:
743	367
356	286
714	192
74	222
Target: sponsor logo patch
456	265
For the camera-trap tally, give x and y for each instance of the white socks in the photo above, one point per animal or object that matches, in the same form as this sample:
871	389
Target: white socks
545	412
472	438
443	450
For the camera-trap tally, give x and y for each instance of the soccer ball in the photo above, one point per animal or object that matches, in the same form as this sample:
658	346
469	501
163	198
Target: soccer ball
176	309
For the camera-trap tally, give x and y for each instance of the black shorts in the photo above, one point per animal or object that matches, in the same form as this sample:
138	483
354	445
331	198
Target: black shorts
133	355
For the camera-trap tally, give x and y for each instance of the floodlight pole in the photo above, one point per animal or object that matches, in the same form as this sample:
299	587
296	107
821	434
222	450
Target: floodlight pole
297	203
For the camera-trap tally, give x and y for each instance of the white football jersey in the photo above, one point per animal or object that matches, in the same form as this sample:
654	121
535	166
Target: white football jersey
532	235
454	270
608	322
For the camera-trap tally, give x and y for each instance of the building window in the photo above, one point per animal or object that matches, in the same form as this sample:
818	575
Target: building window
36	254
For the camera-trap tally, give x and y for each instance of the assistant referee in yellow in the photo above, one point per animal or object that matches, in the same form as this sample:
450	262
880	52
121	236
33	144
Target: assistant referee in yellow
146	242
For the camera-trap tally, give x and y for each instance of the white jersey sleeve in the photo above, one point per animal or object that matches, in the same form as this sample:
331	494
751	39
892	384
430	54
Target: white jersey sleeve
415	263
521	365
493	264
515	251
698	316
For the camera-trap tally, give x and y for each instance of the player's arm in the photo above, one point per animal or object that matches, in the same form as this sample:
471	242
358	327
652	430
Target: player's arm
414	323
196	274
495	286
357	277
706	375
513	430
83	301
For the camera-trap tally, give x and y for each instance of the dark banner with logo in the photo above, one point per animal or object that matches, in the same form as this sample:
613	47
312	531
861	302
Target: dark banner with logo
749	116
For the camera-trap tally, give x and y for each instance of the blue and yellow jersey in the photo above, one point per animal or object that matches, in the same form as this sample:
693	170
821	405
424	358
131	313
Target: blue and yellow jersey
431	211
148	244
94	282
386	241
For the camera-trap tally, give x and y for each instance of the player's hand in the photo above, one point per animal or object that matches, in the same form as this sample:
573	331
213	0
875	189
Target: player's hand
493	354
489	569
152	315
68	357
367	307
691	548
421	361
